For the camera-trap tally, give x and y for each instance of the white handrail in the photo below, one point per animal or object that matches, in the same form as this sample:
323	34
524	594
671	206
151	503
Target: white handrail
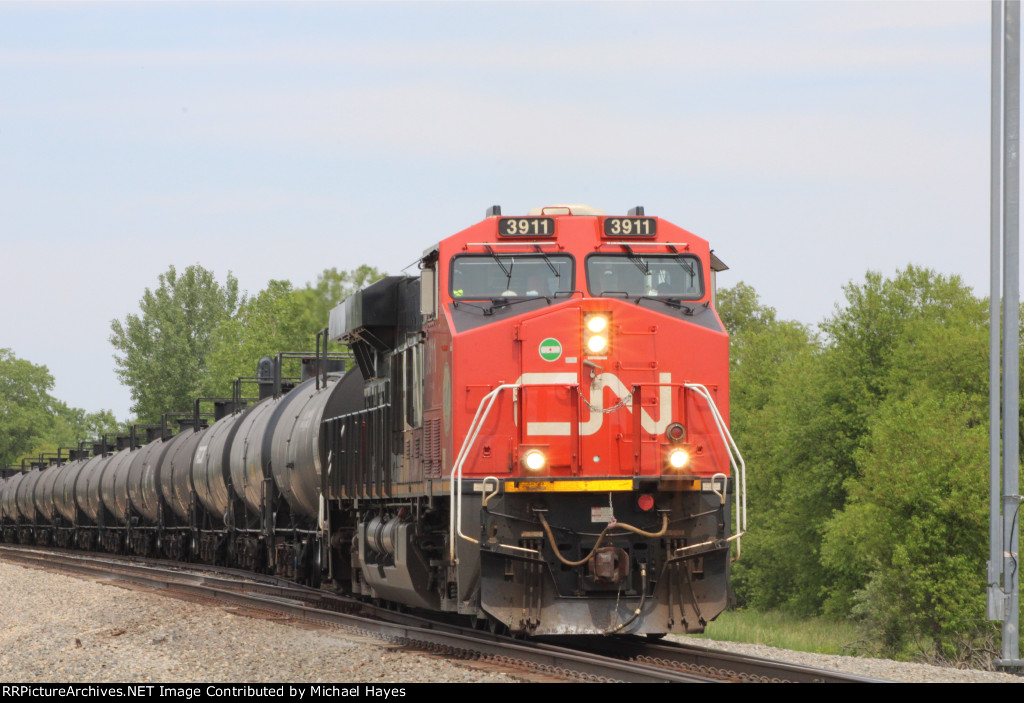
455	481
735	460
483	410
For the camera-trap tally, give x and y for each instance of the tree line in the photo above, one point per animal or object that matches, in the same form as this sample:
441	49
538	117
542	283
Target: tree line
32	421
191	337
866	441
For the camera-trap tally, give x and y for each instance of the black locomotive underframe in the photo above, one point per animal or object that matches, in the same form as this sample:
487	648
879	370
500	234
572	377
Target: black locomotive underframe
390	549
677	580
631	583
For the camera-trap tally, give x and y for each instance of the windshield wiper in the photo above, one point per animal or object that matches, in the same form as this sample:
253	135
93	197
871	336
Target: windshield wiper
462	303
687	265
506	271
671	302
497	303
638	261
504	302
547	261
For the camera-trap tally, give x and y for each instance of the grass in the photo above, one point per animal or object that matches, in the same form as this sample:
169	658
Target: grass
777	629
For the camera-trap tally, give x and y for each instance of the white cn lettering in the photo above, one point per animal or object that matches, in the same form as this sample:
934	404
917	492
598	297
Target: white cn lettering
616	390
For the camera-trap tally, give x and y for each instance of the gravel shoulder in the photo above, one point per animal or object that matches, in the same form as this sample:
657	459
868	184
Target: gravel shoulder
875	668
61	629
56	628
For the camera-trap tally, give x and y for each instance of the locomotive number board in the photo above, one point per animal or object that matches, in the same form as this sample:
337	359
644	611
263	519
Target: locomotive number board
526	226
630	227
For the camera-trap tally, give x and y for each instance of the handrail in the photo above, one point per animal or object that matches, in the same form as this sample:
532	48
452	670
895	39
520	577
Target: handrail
455	489
735	460
483	410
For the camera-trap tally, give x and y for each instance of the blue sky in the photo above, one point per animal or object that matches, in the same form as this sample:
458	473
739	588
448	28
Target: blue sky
809	142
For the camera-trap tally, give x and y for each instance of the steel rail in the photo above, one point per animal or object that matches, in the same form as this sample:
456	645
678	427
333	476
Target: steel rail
468	644
584	658
712	662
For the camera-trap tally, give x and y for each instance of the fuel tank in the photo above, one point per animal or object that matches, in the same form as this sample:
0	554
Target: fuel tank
210	473
247	458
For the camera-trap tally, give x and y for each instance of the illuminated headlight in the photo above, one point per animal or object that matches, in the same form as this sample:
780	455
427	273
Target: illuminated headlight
534	460
597	323
597	344
595	333
678	458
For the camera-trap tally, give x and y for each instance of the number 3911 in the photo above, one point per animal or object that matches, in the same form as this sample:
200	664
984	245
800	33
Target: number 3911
630	227
526	226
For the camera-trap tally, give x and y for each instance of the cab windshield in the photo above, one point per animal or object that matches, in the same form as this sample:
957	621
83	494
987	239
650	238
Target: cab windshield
645	275
489	276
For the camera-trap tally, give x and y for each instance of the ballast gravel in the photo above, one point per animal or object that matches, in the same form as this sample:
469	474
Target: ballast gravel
61	629
885	669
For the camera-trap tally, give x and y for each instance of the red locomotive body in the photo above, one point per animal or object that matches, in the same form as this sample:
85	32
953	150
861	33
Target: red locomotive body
559	454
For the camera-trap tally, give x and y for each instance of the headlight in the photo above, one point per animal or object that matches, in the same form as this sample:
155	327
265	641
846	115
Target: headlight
597	344
678	458
534	460
596	327
597	323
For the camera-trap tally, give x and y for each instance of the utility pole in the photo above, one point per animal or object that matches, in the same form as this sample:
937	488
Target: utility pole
1004	603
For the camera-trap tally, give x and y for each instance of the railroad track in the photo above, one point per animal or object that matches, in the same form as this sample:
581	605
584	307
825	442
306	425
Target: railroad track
597	659
714	663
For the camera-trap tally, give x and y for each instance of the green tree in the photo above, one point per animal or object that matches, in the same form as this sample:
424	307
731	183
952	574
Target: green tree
25	405
878	344
760	347
162	352
780	567
915	528
910	540
769	362
278	318
32	421
807	416
68	426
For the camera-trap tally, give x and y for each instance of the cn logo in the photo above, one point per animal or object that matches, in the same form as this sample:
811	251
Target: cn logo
605	391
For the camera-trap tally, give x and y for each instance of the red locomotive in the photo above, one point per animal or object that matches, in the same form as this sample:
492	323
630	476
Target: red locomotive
537	435
534	435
